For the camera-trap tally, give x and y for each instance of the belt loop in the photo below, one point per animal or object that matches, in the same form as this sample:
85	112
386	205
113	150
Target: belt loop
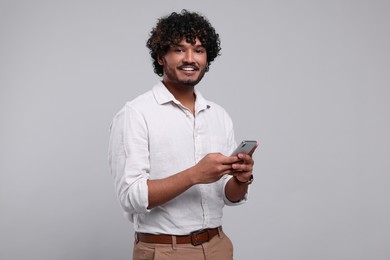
174	243
219	231
136	237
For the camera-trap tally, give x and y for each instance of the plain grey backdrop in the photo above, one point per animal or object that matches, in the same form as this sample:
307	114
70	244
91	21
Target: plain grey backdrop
308	79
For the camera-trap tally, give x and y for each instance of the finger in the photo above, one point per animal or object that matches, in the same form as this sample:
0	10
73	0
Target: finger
229	172
245	158
231	159
227	168
242	174
242	167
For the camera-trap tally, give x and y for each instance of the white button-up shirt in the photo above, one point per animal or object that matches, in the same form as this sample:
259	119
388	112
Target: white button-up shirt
155	136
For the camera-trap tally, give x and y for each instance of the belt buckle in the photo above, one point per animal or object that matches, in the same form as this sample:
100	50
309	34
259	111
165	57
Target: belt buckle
194	237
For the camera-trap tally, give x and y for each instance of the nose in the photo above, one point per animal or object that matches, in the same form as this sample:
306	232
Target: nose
189	56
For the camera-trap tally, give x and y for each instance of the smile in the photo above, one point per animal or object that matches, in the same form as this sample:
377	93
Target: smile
188	68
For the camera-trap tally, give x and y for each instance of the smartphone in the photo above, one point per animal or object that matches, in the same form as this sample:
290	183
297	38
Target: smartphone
245	147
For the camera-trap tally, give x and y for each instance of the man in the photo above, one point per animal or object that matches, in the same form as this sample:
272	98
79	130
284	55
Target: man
169	151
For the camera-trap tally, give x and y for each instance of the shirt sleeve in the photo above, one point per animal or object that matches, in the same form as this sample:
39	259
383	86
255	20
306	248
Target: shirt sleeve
128	158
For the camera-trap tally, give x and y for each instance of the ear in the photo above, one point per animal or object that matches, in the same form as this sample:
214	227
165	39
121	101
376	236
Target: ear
160	60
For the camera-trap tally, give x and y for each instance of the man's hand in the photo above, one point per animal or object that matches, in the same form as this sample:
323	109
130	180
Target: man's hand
213	166
243	169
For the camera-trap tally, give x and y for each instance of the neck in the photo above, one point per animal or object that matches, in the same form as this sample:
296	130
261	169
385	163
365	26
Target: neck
184	94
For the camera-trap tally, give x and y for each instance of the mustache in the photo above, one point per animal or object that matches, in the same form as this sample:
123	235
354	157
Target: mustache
193	65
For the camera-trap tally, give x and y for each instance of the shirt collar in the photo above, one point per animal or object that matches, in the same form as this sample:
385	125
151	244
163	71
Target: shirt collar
163	96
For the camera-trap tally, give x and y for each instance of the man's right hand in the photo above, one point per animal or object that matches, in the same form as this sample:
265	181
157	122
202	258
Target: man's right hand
212	167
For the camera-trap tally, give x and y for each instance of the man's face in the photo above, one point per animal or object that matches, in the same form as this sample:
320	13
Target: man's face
184	64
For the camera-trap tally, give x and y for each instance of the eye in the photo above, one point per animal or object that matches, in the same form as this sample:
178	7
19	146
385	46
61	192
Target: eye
178	50
200	50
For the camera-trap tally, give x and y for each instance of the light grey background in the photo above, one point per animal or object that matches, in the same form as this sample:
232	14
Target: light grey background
309	79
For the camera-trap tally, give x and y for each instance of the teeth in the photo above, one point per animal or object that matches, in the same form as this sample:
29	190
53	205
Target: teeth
188	69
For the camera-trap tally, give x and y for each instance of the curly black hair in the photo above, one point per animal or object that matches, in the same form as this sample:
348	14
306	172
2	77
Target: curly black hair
170	30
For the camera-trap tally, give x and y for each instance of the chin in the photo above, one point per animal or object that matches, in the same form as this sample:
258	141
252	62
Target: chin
190	83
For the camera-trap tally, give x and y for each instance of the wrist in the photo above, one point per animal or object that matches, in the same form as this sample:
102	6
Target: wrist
192	175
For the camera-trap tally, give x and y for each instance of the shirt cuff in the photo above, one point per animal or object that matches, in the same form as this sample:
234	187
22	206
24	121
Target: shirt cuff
138	196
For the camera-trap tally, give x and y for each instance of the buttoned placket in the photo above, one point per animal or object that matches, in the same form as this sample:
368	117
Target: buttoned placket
196	126
198	156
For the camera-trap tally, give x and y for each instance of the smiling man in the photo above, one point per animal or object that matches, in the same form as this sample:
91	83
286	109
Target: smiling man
169	151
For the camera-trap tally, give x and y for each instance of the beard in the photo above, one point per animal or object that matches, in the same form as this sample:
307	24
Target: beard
193	83
173	77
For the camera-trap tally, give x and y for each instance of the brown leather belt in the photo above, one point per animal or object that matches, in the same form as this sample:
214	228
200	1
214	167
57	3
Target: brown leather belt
195	238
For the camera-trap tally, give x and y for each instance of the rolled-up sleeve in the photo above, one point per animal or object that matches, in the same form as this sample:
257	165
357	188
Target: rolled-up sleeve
129	159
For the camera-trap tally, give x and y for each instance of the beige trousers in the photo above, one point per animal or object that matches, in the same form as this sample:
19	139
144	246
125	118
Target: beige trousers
218	248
